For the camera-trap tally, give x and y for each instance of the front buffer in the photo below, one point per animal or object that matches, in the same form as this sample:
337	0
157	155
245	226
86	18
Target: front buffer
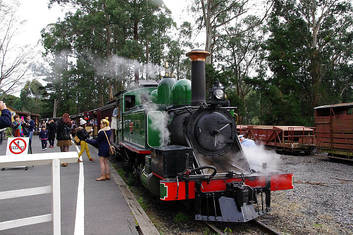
225	197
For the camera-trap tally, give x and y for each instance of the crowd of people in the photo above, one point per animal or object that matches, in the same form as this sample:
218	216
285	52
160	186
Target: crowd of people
63	130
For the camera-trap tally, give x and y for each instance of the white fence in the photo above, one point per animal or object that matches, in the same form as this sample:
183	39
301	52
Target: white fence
35	160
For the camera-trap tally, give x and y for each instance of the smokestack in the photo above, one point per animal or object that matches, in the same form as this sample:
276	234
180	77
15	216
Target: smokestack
198	77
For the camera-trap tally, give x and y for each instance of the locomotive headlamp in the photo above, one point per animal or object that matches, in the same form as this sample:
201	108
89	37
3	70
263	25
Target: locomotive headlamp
219	94
218	91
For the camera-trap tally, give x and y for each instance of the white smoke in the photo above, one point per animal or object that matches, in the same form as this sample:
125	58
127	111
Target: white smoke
262	160
120	67
62	61
159	121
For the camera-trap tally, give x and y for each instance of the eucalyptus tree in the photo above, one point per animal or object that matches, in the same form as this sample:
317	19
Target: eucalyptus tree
179	64
240	54
106	41
216	15
31	96
310	53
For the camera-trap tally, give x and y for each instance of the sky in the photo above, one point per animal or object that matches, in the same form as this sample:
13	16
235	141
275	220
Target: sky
35	15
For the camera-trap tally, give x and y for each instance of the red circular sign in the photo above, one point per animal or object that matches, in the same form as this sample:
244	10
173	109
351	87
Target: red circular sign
18	148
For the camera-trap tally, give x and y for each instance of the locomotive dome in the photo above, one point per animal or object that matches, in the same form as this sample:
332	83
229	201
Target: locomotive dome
181	92
165	90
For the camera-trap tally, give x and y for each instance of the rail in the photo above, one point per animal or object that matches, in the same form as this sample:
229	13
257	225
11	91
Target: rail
35	160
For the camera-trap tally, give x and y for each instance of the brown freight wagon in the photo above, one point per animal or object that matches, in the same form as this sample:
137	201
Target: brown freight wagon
334	130
288	139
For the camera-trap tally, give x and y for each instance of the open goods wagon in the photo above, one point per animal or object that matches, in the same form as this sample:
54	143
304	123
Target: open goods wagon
334	130
292	139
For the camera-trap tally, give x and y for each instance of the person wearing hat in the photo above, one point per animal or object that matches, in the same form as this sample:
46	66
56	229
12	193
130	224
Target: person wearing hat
82	134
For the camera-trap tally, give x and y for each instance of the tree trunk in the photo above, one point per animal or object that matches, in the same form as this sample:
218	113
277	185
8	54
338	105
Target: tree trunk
111	96
136	39
315	77
108	34
137	75
55	107
209	32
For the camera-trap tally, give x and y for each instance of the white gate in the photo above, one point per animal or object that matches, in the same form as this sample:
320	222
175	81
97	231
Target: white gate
54	188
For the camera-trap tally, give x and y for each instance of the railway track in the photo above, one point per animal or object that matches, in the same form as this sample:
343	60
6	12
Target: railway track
265	227
224	230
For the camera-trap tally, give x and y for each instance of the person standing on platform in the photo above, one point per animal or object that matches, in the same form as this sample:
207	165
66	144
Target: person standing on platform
43	136
102	142
82	134
51	133
63	129
30	125
17	127
246	142
5	117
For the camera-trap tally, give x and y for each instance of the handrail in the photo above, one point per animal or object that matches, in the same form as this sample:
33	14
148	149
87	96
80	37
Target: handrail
35	160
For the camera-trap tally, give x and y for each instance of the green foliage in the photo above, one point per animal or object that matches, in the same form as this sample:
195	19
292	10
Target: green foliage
143	203
180	217
33	98
82	45
308	59
12	101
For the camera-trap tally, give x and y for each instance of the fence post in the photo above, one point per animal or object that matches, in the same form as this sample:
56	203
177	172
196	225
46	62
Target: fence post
56	208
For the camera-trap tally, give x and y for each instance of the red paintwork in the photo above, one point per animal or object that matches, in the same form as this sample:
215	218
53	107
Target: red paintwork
158	176
135	149
334	128
278	182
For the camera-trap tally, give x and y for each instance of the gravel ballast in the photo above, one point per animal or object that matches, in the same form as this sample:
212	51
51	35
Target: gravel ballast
321	201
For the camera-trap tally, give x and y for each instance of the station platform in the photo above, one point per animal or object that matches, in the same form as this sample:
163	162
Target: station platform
105	210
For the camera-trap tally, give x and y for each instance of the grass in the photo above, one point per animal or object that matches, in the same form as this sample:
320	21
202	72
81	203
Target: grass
207	231
180	217
143	203
317	226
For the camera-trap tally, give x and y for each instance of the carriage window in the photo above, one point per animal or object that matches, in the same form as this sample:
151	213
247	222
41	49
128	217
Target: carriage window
350	111
129	101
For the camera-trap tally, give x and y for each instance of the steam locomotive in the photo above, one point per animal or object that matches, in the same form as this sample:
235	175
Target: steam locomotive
183	147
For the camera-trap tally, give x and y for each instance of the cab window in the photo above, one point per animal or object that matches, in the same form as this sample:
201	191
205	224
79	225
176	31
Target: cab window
130	102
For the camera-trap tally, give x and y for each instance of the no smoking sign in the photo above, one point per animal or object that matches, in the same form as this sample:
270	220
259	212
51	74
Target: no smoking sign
17	146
